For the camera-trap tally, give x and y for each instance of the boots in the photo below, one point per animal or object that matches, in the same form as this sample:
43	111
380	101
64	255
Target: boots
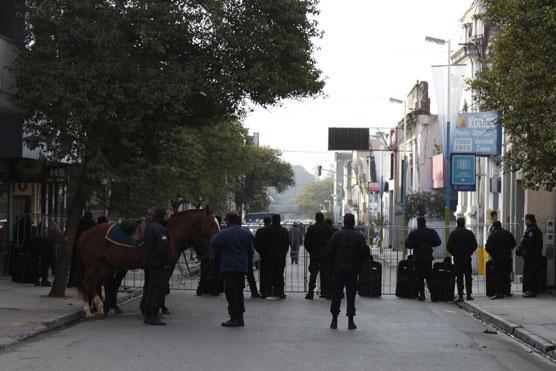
469	297
459	299
351	323
309	295
334	323
234	321
153	321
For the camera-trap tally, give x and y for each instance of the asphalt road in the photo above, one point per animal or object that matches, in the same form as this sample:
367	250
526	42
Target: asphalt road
291	334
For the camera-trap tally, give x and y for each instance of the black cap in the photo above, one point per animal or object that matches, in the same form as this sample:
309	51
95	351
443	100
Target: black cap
349	220
275	218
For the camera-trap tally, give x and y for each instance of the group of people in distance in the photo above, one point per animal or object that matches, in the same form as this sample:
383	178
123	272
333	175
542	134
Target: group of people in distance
337	255
462	244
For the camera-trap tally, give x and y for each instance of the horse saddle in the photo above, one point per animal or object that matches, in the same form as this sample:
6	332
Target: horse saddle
128	233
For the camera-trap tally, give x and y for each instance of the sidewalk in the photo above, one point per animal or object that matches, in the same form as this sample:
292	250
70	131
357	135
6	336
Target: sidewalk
26	310
533	320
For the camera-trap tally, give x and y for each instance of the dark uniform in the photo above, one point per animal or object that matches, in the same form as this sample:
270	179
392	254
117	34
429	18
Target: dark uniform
274	244
346	250
158	251
499	245
316	240
422	241
461	245
530	248
234	247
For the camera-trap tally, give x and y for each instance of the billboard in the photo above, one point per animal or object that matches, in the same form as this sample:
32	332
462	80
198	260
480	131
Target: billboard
477	133
348	139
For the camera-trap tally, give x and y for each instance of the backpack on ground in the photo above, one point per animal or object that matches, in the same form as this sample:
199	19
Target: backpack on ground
442	281
370	279
406	281
490	279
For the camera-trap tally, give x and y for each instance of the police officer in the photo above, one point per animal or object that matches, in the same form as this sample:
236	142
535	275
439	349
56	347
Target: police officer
530	248
159	261
274	248
316	240
499	245
422	241
462	244
234	247
346	250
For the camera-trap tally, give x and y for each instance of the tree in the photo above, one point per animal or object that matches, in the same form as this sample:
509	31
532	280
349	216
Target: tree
105	84
313	197
519	82
262	168
425	203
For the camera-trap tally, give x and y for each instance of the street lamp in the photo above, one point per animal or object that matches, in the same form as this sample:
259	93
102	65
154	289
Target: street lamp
447	185
404	166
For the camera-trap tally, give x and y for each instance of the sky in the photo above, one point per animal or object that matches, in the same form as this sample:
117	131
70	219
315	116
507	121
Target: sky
371	50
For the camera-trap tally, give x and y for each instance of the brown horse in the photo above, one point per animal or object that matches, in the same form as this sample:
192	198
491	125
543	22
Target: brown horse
101	258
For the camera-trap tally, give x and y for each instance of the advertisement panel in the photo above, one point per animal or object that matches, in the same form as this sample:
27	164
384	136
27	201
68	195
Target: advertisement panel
463	173
478	133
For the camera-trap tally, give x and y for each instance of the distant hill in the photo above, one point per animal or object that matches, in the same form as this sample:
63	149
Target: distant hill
285	203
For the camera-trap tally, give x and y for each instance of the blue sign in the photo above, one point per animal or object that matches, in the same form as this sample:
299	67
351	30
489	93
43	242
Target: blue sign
478	133
463	173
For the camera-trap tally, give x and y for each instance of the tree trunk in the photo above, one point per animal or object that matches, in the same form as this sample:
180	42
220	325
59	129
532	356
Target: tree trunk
78	203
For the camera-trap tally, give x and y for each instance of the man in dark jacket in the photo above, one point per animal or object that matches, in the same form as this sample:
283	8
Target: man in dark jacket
499	245
265	286
85	223
346	252
158	250
234	247
422	240
461	245
530	248
316	240
274	245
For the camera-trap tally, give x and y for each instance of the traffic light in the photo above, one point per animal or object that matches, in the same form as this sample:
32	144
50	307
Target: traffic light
320	170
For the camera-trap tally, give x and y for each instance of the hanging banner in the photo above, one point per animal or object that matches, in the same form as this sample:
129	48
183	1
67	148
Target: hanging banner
441	79
478	133
463	173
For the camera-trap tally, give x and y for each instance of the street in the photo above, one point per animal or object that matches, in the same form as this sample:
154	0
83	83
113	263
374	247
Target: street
289	334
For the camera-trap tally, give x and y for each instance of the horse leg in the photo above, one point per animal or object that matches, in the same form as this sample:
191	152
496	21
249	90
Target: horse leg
102	273
86	292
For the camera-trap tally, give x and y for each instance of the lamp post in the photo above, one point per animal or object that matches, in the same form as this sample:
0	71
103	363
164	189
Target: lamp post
404	169
447	182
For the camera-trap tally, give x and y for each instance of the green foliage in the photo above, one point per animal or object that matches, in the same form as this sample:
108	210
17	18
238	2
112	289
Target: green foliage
313	196
260	169
519	82
103	81
114	86
429	204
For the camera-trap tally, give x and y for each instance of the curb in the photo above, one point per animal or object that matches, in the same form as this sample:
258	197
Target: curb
64	320
529	338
